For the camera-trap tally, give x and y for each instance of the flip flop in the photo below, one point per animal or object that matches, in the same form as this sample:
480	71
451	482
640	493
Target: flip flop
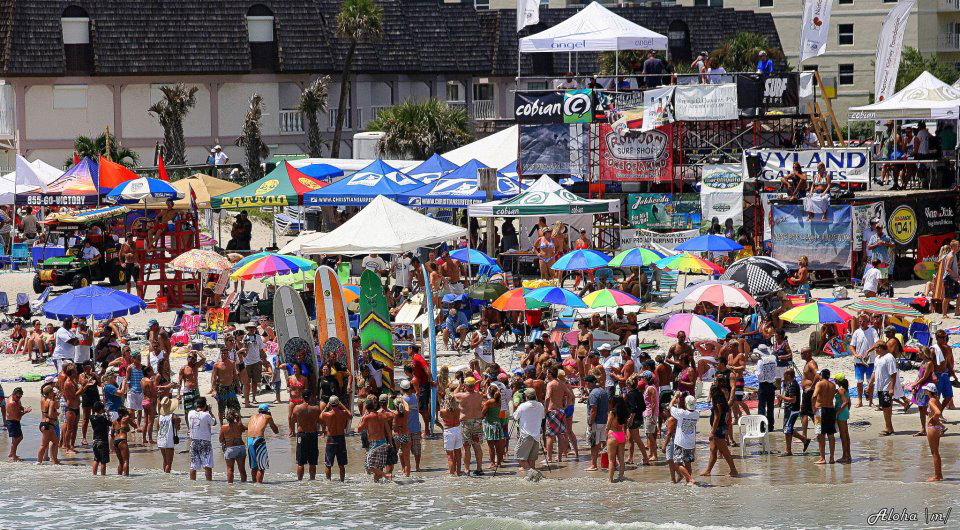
885	433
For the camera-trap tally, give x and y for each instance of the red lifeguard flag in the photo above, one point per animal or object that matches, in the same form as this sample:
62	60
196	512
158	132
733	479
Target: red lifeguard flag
162	169
113	174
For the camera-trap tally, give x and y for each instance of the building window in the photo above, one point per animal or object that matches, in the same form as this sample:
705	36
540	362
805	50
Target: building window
454	91
765	3
889	1
483	92
845	34
70	96
713	3
481	4
77	50
845	2
263	46
845	74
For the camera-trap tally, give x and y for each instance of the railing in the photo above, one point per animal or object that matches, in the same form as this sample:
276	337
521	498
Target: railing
375	111
950	41
7	128
951	5
482	109
291	122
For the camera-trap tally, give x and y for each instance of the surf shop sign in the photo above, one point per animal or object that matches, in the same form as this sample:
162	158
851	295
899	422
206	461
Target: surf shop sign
646	157
843	165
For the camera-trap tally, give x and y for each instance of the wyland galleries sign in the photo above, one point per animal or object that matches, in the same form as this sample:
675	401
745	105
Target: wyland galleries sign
570	106
843	165
645	157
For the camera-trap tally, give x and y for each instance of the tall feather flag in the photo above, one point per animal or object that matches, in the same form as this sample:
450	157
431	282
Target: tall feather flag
113	174
193	204
162	169
528	13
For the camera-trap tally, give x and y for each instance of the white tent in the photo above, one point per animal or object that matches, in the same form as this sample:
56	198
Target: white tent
926	98
544	197
497	150
296	244
384	227
40	171
594	29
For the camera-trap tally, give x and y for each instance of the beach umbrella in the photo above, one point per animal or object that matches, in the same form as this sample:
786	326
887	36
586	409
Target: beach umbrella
695	327
536	282
141	190
767	259
635	257
720	295
679	297
355	289
514	300
297	280
200	260
555	296
755	276
689	263
452	298
472	256
271	265
609	298
99	302
884	306
709	243
816	313
489	291
582	259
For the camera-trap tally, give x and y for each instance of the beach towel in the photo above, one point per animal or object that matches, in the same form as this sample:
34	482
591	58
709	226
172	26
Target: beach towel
837	347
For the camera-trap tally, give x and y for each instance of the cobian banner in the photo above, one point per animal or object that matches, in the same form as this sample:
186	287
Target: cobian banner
827	244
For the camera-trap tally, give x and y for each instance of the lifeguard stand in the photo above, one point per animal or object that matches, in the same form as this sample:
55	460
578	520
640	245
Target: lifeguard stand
153	263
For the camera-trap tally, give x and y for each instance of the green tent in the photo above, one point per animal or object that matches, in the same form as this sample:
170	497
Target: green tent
284	186
544	197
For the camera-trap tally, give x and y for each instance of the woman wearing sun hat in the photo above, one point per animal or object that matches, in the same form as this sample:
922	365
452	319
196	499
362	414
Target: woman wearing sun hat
168	424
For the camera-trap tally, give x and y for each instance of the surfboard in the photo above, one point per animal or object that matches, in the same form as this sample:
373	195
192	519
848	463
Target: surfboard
375	330
333	330
294	334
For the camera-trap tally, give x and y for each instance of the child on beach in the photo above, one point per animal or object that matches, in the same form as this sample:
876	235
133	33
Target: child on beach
100	423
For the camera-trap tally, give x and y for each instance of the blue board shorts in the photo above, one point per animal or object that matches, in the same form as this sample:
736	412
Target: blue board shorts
943	385
863	372
789	421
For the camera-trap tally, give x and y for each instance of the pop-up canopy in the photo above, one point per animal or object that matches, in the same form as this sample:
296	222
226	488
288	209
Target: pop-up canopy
594	29
459	189
379	178
544	197
926	98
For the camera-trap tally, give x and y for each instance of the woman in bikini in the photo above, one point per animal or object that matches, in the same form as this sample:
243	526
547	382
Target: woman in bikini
149	386
547	252
584	347
582	242
616	436
925	374
234	450
636	405
935	429
34	342
89	395
121	429
18	338
296	384
687	380
50	410
719	429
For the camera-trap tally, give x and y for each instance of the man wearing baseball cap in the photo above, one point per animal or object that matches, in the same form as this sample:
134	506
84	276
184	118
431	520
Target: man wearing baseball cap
529	417
611	366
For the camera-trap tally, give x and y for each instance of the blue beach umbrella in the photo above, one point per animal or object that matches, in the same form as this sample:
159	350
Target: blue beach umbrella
581	260
472	256
96	301
709	243
143	189
555	296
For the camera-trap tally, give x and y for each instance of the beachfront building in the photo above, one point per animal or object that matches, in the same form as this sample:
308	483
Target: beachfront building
933	29
76	67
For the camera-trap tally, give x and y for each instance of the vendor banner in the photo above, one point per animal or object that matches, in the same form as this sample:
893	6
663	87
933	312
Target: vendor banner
650	210
759	93
937	216
706	102
862	214
721	199
644	157
538	107
827	244
544	149
843	165
633	238
657	108
815	28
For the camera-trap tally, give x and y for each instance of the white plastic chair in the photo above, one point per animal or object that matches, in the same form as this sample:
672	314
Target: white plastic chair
756	429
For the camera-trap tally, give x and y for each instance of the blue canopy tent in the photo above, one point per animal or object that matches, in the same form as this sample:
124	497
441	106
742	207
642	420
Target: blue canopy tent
321	171
432	168
510	170
379	178
459	189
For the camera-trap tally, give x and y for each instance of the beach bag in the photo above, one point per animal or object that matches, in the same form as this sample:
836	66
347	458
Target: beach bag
392	454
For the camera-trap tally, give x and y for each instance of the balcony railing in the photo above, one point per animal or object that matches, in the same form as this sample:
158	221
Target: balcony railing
291	122
950	41
949	5
482	109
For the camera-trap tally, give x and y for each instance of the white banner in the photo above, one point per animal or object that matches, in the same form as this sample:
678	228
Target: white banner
815	28
528	13
656	108
843	165
721	199
706	102
632	238
889	46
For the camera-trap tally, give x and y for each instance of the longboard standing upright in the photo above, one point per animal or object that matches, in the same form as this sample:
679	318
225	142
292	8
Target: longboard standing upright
294	334
333	328
376	335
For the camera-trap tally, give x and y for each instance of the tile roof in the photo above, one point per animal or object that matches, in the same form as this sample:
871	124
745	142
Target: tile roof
137	37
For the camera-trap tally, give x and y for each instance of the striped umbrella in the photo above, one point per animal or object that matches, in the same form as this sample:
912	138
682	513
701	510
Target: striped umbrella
721	295
635	257
695	327
884	306
689	263
816	313
271	265
609	298
582	259
514	300
555	296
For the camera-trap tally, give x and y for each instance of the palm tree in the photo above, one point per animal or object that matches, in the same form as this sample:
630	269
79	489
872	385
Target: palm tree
170	110
358	20
86	146
416	130
251	139
739	53
313	100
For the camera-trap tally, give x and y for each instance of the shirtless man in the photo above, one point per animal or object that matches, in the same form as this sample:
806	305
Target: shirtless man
450	269
471	406
222	384
944	369
308	441
15	412
160	347
377	432
628	368
807	384
70	390
537	384
681	348
335	418
556	427
823	395
189	387
256	444
160	225
663	375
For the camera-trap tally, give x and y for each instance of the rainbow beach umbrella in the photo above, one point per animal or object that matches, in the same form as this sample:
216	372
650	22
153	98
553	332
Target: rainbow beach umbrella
582	259
695	327
689	263
514	300
271	265
555	296
609	298
636	257
816	313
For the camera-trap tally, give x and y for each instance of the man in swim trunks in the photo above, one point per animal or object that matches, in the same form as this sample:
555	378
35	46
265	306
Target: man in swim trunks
15	412
377	432
223	384
944	369
471	407
335	417
189	387
663	375
807	384
556	422
307	416
823	403
256	444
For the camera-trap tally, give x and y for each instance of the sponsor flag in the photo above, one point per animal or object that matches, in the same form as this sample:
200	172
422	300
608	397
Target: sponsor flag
193	202
113	174
76	158
815	29
528	13
162	169
889	46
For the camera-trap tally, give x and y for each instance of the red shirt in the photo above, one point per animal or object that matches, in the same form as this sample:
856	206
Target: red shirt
421	370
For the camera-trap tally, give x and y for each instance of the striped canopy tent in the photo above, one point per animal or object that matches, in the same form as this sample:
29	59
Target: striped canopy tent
284	186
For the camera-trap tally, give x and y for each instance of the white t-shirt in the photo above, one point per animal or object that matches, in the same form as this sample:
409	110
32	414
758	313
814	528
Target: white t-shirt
61	349
90	253
937	353
863	341
401	272
871	280
373	263
201	424
82	352
506	395
165	431
609	364
886	368
254	345
686	436
767	369
155	359
220	158
529	415
484	350
632	343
